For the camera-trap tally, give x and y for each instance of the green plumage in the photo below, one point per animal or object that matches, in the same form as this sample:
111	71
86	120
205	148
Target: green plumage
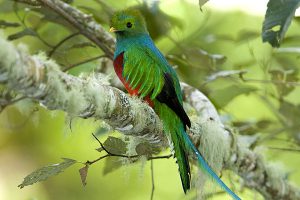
145	72
145	69
174	127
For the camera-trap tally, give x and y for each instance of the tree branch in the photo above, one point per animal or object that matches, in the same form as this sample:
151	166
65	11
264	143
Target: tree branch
41	79
256	173
38	78
84	23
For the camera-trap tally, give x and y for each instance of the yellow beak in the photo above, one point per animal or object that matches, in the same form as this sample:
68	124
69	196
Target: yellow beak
112	29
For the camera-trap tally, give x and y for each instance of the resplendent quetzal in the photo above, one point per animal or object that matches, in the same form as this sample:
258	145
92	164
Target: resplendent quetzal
145	72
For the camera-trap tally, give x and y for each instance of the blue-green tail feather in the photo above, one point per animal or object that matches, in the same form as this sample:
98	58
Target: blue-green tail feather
203	164
182	145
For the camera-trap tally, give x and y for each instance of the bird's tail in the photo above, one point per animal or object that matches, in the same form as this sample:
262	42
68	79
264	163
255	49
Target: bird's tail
182	145
172	125
204	166
182	159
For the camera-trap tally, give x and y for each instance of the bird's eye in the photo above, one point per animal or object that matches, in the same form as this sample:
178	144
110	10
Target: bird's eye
129	24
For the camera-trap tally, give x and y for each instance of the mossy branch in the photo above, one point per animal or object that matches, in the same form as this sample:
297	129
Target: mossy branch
256	173
39	78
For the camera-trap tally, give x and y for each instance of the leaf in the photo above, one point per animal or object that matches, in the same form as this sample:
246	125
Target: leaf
101	131
146	149
252	127
25	32
284	76
224	74
223	96
158	22
194	56
111	164
202	2
115	145
82	45
5	24
291	40
246	35
46	172
100	149
291	112
277	20
83	174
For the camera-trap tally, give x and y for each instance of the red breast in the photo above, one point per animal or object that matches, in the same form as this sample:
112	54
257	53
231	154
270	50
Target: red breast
118	66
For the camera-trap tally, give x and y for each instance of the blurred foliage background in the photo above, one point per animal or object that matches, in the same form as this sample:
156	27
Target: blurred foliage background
254	87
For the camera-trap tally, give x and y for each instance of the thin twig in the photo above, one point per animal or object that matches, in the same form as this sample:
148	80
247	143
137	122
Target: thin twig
83	62
61	42
152	180
285	149
210	195
83	23
29	2
110	154
289	83
100	158
4	105
22	20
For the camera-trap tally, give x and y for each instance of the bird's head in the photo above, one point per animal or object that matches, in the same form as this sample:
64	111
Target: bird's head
128	23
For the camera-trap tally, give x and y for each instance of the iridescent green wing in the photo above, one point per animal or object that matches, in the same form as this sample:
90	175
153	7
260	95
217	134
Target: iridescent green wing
144	69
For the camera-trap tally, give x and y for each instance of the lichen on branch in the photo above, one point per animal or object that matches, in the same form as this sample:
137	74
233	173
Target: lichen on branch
38	78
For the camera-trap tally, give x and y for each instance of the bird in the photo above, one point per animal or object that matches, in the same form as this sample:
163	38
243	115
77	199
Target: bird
146	73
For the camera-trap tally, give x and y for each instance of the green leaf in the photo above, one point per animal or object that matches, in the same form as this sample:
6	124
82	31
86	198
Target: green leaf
158	22
277	20
252	127
284	76
111	164
83	174
25	32
46	172
223	96
291	112
246	35
115	145
202	2
194	56
100	149
146	149
101	131
5	24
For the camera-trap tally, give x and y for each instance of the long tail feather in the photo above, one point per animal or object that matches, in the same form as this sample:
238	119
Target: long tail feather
173	126
182	161
203	164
